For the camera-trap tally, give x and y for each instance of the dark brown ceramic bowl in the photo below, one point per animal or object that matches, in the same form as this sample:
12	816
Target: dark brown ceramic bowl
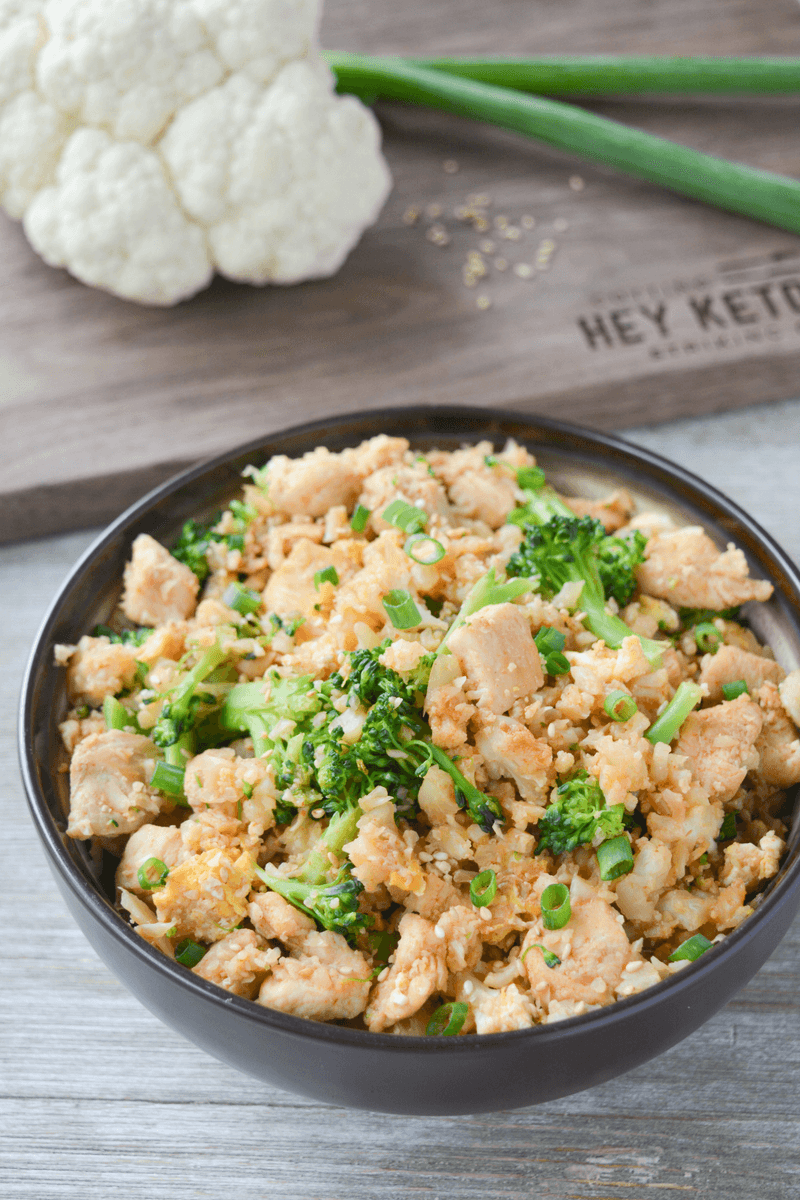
376	1071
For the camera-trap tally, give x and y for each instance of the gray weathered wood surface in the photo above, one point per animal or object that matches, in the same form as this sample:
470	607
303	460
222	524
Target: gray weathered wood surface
97	1098
147	389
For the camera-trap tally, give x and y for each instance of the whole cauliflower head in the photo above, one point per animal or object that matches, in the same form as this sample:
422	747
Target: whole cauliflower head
145	144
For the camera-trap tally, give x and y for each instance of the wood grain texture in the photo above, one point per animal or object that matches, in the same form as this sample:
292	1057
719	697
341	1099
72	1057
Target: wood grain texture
685	309
97	1098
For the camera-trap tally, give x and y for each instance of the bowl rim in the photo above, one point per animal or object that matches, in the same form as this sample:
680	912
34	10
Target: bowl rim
779	893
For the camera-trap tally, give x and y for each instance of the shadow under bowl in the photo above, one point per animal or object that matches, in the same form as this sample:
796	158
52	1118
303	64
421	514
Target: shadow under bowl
379	1072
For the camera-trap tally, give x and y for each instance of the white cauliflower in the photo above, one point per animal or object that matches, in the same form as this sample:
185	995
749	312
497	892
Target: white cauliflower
145	145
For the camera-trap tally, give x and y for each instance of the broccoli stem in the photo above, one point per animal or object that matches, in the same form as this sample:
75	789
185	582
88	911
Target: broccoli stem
181	698
666	727
245	711
342	828
484	810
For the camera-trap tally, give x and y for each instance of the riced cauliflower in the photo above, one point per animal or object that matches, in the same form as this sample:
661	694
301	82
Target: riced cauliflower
405	741
147	144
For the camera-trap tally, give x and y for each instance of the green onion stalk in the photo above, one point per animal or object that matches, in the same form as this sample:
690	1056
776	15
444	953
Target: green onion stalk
774	199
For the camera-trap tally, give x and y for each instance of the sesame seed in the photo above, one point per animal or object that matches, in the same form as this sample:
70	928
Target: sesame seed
524	270
318	813
441	856
576	183
560	225
481	224
487	246
335	902
433	211
485	913
479	200
483	302
439	932
383	974
512	234
500	264
450	166
438	235
469	987
528	222
411	215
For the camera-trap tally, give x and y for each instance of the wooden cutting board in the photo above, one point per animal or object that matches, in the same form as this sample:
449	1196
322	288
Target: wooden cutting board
618	303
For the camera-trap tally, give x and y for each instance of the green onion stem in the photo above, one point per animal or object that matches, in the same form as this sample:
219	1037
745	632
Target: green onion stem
666	727
738	688
763	195
483	888
620	706
448	1019
611	74
691	949
556	907
116	715
614	858
401	609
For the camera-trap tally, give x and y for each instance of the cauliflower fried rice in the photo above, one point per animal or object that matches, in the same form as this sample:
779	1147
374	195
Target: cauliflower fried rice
364	756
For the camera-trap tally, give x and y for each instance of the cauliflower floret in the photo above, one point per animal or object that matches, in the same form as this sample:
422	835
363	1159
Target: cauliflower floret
687	823
449	713
237	963
109	776
147	144
328	982
592	947
275	918
418	971
749	865
150	841
686	568
496	1010
730	663
310	485
402	655
720	745
498	655
613	511
638	891
510	751
206	896
778	743
158	588
99	668
380	853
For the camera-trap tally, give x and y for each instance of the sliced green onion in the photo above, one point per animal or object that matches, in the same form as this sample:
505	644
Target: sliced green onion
326	575
666	727
422	459
358	521
401	609
728	828
550	958
531	477
738	688
189	953
152	874
247	788
433	605
241	599
483	889
690	949
556	908
556	664
620	706
708	637
614	858
490	461
405	516
168	777
424	550
116	715
448	1019
549	640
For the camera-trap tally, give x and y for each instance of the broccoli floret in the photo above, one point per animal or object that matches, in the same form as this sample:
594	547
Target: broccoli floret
559	548
175	731
191	547
578	813
696	616
127	637
332	905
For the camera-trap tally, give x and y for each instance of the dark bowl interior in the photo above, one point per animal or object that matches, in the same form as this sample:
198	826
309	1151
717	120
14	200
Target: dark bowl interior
378	1071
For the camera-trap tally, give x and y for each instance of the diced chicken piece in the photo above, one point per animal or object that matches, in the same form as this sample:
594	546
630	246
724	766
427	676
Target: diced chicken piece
411	483
380	854
99	668
730	664
278	920
638	891
485	494
237	963
592	946
686	568
498	655
439	894
168	641
150	841
328	982
437	796
497	1010
418	971
75	729
510	751
109	793
778	743
206	896
688	823
385	569
211	779
403	655
614	511
680	909
375	453
158	588
291	588
790	696
749	865
720	745
282	538
310	485
460	929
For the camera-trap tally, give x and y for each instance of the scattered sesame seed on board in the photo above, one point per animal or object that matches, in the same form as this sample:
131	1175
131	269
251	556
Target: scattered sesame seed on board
411	215
479	200
528	222
560	225
483	301
450	166
438	235
500	264
511	233
433	211
524	270
487	246
576	183
500	221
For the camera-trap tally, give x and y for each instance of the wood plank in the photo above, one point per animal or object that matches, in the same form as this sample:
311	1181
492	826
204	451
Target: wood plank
653	306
